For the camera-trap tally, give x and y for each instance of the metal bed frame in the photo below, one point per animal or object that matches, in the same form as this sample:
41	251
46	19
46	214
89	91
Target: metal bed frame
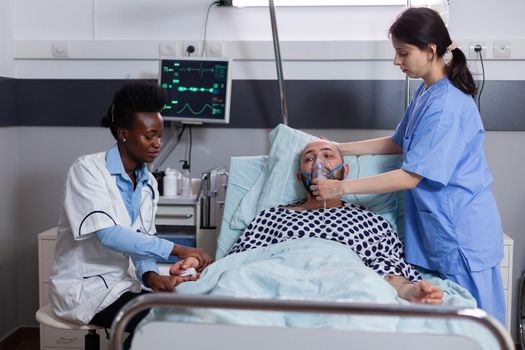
145	302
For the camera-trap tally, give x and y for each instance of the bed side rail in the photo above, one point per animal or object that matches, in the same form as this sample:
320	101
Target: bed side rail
301	305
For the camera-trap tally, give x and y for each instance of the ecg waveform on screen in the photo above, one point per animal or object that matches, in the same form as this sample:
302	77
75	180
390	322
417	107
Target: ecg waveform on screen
187	106
200	70
195	89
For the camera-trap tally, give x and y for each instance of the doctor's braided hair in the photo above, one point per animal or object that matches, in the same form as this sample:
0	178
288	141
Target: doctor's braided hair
420	26
132	98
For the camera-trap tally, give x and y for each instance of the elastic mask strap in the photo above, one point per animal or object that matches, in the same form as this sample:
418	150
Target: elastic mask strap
331	172
308	178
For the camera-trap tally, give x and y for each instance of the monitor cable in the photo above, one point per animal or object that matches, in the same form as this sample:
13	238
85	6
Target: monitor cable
478	49
216	3
189	152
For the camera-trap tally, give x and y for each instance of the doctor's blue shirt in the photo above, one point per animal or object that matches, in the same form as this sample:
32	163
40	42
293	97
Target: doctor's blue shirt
143	250
452	212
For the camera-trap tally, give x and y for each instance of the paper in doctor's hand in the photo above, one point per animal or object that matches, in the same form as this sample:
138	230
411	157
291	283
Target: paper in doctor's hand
176	280
327	189
185	267
159	283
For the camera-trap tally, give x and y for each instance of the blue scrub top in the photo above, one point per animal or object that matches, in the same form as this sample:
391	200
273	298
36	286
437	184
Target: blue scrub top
452	211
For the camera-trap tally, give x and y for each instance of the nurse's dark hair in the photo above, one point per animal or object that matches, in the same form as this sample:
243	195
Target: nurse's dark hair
133	97
420	26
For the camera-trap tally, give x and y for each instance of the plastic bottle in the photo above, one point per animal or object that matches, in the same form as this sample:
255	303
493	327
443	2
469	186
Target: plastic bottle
170	183
186	180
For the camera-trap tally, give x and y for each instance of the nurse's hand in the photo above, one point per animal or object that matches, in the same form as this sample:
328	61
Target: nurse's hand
185	252
184	264
327	189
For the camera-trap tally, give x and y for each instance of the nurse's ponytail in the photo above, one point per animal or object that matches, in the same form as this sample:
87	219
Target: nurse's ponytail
459	74
132	98
421	26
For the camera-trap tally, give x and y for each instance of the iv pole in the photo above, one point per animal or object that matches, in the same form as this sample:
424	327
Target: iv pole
284	107
407	78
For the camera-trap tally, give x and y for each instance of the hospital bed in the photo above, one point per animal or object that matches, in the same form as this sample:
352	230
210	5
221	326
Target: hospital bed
227	309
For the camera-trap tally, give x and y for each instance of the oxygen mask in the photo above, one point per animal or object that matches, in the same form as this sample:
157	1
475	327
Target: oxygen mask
321	171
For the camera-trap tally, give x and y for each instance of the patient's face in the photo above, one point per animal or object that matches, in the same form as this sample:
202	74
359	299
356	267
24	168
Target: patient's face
327	150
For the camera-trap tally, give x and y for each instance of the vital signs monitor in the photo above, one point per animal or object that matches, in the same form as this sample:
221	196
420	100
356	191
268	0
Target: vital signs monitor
198	89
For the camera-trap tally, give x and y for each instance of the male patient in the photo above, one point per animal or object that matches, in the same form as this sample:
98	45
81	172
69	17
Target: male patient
366	233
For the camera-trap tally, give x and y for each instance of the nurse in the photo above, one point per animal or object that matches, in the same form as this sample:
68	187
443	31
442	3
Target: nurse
452	222
107	218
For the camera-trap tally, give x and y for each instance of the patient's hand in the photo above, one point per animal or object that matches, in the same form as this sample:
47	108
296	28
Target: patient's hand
421	292
176	280
185	252
160	283
184	264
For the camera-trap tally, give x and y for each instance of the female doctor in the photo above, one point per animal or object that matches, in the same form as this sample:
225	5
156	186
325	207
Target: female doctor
108	217
452	221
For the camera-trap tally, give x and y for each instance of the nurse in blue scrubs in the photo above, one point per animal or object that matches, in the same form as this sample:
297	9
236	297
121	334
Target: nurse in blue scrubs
452	222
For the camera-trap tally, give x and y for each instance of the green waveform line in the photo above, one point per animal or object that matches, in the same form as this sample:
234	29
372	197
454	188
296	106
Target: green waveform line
187	105
201	70
195	89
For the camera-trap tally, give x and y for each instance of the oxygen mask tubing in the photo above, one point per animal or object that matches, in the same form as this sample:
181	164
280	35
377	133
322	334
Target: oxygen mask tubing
318	172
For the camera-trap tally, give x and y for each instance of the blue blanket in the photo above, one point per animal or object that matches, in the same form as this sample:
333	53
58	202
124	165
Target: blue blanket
311	268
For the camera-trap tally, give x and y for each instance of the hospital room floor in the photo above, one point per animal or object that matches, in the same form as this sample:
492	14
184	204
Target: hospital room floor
22	339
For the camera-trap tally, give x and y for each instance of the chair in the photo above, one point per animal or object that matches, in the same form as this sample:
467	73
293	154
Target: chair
46	317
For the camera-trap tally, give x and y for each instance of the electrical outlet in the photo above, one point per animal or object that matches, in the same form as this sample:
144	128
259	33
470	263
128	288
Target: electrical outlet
501	49
186	48
471	49
168	48
60	49
214	49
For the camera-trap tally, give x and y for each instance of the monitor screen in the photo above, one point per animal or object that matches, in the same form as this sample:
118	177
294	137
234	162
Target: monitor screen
198	89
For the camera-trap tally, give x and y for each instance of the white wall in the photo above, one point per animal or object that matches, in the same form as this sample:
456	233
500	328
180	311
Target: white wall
10	241
9	238
45	153
6	30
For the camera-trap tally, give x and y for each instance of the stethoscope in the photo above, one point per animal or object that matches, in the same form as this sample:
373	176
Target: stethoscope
151	197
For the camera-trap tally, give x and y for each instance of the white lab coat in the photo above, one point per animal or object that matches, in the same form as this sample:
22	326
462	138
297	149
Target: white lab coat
86	276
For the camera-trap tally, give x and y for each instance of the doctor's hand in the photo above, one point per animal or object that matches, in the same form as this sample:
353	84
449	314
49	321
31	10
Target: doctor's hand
327	189
183	265
186	252
160	283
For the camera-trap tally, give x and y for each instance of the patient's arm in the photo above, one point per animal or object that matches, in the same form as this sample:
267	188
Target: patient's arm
420	292
382	145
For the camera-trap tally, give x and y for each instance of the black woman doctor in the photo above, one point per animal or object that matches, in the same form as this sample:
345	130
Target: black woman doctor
108	216
452	222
